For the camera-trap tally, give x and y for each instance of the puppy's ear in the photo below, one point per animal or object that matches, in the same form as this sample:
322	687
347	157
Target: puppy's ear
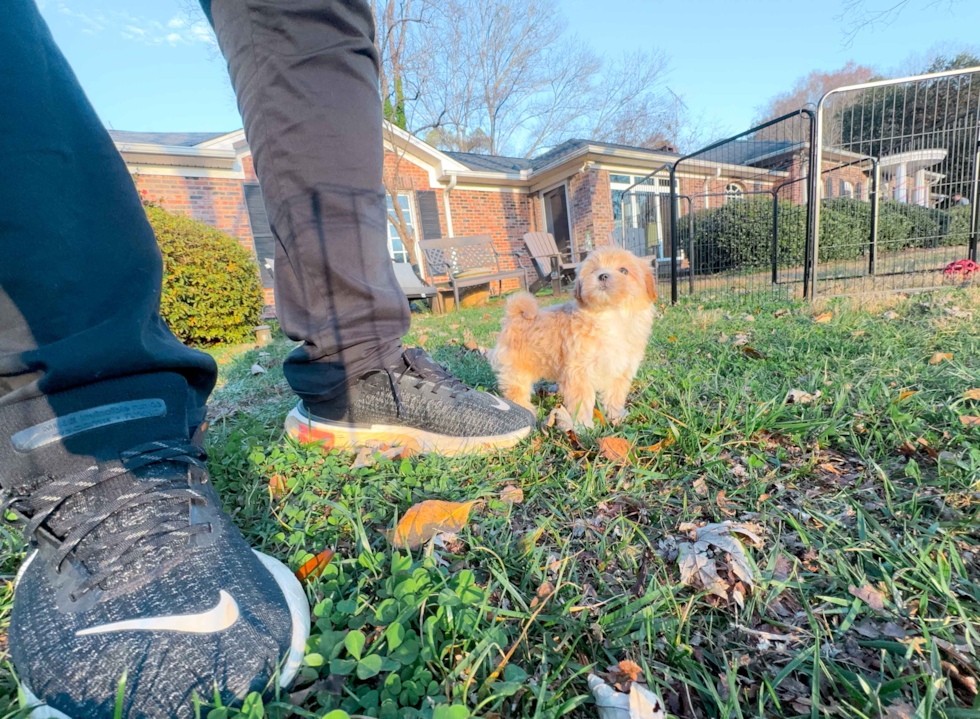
578	289
651	283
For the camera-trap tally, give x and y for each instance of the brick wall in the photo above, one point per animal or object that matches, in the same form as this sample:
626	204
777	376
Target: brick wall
215	201
590	208
505	216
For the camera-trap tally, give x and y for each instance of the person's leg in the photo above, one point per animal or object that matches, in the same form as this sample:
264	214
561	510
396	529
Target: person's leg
132	568
306	76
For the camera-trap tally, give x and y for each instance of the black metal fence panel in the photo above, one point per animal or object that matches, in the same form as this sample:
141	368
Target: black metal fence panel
898	184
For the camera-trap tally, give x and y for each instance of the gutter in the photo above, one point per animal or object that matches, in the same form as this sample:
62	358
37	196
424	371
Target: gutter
445	203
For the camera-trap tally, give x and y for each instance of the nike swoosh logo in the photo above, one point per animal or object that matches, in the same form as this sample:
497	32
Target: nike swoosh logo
224	614
500	404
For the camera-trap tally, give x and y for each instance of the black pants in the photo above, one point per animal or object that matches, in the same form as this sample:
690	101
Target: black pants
80	271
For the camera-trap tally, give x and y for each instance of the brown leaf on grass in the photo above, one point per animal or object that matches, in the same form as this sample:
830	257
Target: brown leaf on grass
560	418
858	333
905	395
940	357
972	394
277	486
824	317
598	416
672	339
723	504
314	566
512	494
454	327
486	316
423	338
622	675
424	520
615	449
543	592
968	421
750	351
658	446
700	486
899	710
471	345
369	456
780	313
891	315
699	570
741	339
966	681
869	595
783	568
798	396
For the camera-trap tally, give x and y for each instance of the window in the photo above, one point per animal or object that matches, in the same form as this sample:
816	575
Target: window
846	189
828	187
621	179
396	248
859	190
733	191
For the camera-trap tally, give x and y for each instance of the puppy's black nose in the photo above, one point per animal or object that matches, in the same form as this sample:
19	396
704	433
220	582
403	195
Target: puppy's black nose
603	276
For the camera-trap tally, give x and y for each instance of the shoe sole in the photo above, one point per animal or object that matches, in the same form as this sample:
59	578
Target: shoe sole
299	612
333	435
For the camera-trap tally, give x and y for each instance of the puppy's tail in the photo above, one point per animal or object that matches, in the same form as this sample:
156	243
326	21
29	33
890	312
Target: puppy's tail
521	306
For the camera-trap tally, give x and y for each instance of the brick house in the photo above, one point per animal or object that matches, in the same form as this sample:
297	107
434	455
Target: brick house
575	191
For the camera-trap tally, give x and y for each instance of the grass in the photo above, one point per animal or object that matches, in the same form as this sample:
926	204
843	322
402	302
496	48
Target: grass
864	598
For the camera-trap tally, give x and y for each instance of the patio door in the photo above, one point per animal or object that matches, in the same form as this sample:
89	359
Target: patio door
556	218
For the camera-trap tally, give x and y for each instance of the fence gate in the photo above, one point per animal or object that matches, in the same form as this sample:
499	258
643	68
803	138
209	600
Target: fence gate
897	182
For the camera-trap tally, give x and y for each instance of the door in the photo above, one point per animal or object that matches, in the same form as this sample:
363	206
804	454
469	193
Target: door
556	217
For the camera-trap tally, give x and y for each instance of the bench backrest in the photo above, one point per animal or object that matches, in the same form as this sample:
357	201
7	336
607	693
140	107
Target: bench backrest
452	255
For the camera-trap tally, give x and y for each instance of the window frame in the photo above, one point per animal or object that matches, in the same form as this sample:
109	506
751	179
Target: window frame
392	232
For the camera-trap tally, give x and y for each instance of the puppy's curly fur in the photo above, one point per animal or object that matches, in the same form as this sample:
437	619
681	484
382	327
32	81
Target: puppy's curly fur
592	345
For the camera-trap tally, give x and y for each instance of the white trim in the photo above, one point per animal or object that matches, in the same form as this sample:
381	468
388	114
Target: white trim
146	148
176	171
494	188
226	141
568	213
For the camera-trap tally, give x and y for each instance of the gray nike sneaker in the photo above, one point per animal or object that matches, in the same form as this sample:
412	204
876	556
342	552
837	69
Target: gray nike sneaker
134	577
413	403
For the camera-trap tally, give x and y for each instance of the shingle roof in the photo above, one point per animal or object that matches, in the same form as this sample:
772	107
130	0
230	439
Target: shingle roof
497	163
744	152
182	139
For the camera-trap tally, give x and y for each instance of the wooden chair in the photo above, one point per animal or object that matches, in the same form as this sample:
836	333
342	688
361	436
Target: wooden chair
474	257
547	260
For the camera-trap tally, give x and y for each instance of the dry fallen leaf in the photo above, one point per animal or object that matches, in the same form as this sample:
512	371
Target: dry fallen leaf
858	333
940	357
824	317
454	327
423	338
512	494
277	486
258	369
899	710
671	339
471	345
615	449
972	394
798	396
368	456
780	313
906	394
891	315
723	504
700	486
868	594
657	446
969	421
486	316
314	566
560	418
640	703
424	520
748	318
752	352
699	570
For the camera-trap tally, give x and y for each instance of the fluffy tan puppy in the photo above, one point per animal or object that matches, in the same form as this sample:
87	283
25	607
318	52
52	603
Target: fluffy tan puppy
592	345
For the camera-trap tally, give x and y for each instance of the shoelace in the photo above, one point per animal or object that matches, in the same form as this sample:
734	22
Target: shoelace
117	550
418	364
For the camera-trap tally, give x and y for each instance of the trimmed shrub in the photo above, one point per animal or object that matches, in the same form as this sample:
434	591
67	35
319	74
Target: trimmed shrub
211	288
738	235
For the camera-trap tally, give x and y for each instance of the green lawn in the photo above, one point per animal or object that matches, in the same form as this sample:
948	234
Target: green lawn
862	599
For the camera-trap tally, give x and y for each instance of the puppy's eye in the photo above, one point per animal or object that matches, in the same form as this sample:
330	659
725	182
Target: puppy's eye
624	270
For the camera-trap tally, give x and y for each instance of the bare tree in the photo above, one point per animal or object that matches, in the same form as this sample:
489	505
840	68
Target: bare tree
808	90
857	16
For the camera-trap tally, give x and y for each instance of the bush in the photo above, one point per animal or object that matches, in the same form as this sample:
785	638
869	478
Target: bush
211	288
738	235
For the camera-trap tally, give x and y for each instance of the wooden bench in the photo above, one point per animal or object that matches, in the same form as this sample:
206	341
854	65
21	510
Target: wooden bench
473	256
411	285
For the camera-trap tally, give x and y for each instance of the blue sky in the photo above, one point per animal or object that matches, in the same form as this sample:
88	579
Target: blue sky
149	66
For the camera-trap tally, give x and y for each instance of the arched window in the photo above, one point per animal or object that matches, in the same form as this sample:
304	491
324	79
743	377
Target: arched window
733	191
846	189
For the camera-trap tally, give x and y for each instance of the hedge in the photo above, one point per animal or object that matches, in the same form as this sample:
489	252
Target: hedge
211	288
739	233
